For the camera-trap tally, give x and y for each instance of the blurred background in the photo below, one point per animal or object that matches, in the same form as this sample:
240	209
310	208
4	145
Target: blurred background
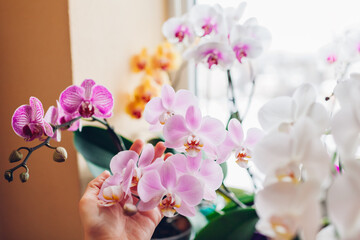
49	45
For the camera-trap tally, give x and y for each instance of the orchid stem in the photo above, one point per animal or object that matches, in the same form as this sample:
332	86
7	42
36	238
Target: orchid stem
229	194
119	143
251	96
234	113
252	178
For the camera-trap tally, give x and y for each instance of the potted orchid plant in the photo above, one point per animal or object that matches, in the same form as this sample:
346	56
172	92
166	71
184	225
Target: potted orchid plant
303	190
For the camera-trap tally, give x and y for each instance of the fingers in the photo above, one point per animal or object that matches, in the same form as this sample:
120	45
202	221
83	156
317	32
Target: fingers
159	150
94	186
167	155
137	146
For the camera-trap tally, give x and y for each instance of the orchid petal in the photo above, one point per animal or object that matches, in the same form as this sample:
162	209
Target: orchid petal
193	118
146	206
102	100
253	136
189	189
179	161
71	98
175	131
153	109
212	130
37	110
51	115
184	99
150	187
120	160
194	163
304	96
211	173
167	96
87	84
21	117
235	131
147	155
186	210
48	129
168	175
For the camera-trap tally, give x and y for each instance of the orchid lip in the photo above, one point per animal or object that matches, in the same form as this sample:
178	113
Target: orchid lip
168	203
86	109
193	145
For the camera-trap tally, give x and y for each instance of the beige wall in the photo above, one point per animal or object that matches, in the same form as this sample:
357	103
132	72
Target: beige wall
35	61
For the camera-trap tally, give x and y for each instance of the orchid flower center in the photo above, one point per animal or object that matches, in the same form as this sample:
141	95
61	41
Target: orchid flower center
165	116
168	203
181	32
113	193
283	227
290	173
33	130
331	59
141	64
136	177
241	52
86	109
193	145
208	27
242	157
212	59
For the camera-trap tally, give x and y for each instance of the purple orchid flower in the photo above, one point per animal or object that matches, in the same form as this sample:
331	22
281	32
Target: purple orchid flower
28	121
88	100
160	109
194	133
172	193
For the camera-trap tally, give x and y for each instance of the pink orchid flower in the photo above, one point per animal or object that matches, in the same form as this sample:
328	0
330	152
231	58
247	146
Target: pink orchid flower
171	193
51	117
160	109
88	100
64	117
116	188
214	52
194	133
139	164
207	171
28	121
178	30
235	141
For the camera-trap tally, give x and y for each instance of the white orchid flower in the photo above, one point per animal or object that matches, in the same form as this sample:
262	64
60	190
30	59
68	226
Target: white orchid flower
178	30
343	203
282	113
286	210
293	157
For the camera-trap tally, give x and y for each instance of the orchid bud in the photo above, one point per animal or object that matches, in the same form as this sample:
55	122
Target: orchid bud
15	156
60	154
24	177
8	176
130	209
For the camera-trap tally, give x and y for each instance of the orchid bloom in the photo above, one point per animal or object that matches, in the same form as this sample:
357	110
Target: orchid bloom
120	162
286	210
178	30
28	121
214	52
345	125
166	57
88	100
207	20
330	53
249	41
172	193
235	141
160	109
194	133
207	171
282	112
343	202
293	157
52	117
140	61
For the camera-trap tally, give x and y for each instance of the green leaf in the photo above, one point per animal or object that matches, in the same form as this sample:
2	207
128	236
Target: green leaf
238	224
97	147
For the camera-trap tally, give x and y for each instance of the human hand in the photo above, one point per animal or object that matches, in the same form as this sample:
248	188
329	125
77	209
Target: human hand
112	222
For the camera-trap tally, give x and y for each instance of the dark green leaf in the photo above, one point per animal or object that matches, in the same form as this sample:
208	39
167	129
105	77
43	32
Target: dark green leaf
238	224
97	147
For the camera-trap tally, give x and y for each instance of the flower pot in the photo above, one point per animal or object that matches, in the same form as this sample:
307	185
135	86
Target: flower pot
176	228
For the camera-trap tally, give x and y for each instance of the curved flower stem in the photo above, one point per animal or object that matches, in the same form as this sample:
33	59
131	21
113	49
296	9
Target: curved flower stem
252	178
44	143
234	113
252	78
119	143
229	194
